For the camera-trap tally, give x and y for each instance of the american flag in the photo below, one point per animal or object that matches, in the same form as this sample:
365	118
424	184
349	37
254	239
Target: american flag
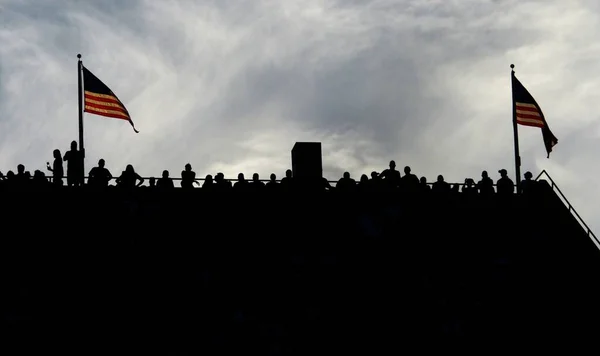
528	113
100	100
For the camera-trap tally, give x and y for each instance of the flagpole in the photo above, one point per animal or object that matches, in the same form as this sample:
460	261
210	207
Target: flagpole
515	131
80	101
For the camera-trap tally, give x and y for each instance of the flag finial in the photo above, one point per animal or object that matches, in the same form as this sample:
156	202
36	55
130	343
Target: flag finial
512	68
79	55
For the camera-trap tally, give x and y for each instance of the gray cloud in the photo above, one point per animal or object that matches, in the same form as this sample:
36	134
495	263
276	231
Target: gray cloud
231	85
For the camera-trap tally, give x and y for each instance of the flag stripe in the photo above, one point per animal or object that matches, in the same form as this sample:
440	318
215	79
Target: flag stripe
530	122
104	103
526	105
101	96
109	115
526	112
529	116
104	99
108	108
529	110
107	100
104	112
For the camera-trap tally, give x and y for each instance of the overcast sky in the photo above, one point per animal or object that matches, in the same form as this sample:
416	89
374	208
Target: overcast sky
231	85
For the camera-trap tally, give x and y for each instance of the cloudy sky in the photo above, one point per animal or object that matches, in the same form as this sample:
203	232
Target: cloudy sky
230	85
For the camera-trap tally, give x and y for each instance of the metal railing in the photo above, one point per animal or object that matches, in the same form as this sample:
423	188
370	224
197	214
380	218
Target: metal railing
200	180
572	210
563	198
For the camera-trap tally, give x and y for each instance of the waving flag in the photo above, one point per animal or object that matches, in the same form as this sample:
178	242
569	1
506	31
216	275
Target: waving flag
100	100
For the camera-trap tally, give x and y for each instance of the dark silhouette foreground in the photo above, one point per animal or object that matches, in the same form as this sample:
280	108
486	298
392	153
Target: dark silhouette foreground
292	266
222	272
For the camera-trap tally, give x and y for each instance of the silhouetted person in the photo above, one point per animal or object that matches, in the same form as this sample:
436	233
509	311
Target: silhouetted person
99	176
165	182
188	177
39	179
346	184
391	176
241	184
21	179
410	182
74	159
423	186
272	185
375	183
9	180
441	186
528	184
208	183
364	185
469	188
323	184
485	185
129	178
222	184
287	183
20	171
256	184
505	185
57	168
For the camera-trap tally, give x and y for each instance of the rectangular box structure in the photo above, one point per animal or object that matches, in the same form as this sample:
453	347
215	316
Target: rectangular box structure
306	160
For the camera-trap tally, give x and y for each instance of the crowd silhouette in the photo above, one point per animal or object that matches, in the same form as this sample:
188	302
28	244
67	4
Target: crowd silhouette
389	180
283	273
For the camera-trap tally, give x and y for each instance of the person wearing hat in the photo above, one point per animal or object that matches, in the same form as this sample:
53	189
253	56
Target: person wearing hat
505	185
528	184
